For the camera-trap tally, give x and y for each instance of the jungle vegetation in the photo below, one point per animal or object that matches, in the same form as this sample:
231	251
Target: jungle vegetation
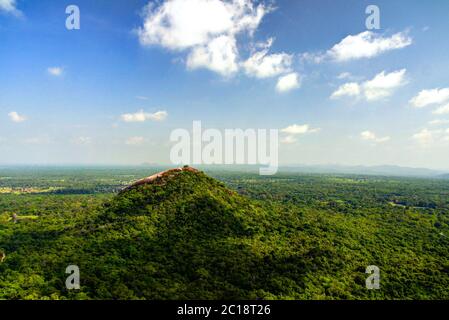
221	235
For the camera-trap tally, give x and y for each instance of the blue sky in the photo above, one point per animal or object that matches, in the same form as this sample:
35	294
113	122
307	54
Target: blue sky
111	92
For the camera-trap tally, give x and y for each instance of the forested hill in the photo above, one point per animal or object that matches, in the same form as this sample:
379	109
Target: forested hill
184	235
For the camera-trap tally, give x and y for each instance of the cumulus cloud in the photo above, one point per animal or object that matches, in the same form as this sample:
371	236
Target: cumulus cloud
371	136
9	6
351	89
142	116
55	71
367	44
288	82
182	24
206	29
135	141
15	117
381	86
442	110
219	55
264	65
291	132
299	129
430	97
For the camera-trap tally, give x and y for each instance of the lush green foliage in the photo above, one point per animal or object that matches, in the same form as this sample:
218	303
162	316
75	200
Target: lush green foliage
190	237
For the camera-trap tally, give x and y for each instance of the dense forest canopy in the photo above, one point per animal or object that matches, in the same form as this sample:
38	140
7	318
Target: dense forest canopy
234	236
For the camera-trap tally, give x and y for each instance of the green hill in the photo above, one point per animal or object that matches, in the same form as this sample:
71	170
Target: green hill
183	236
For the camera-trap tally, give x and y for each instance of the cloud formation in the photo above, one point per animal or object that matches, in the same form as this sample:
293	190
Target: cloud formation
142	116
430	97
381	86
291	132
371	136
263	65
206	29
364	45
219	55
288	82
55	71
351	89
15	117
442	110
367	44
10	6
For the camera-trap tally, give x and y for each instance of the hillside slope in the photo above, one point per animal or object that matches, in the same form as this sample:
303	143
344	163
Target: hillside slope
181	235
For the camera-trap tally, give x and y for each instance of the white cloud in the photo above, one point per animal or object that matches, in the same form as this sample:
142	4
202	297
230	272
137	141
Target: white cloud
430	97
442	110
9	6
295	129
424	137
219	55
182	24
351	89
15	117
264	65
55	71
135	141
367	44
381	86
371	136
207	29
142	116
288	82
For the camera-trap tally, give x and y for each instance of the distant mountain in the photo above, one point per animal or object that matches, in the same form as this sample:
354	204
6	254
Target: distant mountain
385	170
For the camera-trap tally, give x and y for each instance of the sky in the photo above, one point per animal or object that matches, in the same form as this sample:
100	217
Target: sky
112	91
